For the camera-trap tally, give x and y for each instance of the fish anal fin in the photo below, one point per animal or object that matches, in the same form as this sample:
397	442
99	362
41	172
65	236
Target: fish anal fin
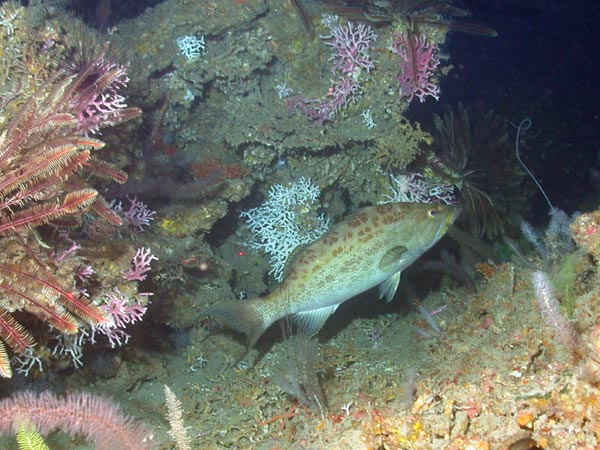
391	257
388	288
311	322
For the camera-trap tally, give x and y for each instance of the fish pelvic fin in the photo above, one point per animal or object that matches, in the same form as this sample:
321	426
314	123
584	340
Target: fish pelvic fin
244	316
389	287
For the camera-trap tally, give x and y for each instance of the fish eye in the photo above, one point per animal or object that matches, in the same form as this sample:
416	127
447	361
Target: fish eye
432	212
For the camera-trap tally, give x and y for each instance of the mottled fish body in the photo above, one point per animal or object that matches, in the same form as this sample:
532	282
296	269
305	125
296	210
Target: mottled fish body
369	248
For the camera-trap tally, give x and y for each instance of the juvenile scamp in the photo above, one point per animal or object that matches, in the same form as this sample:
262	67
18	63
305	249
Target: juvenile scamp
369	248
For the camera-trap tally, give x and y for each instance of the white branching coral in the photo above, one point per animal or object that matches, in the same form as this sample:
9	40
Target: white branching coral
415	188
175	419
191	46
287	219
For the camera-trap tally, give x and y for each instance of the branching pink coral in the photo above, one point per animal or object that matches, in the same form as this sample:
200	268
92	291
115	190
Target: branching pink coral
123	311
99	101
141	264
97	419
418	60
351	44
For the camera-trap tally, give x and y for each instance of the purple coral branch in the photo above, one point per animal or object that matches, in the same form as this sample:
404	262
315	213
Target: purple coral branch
138	215
74	246
418	61
83	272
141	264
339	95
101	104
351	45
122	315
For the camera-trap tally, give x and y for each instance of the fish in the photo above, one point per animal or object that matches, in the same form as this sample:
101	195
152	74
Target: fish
369	248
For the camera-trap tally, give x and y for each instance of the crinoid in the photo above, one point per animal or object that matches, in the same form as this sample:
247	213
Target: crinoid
472	151
46	161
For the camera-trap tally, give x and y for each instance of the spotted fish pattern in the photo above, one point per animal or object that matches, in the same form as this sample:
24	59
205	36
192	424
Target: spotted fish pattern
367	249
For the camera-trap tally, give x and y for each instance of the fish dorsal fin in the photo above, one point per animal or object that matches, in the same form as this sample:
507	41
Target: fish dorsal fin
348	217
360	214
310	322
391	257
388	288
292	258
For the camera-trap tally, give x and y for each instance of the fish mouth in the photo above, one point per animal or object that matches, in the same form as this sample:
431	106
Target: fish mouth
448	220
452	217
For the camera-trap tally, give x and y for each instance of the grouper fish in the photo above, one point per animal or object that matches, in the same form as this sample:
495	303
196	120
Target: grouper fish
368	248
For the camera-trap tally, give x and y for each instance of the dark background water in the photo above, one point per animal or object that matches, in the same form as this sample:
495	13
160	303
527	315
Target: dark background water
543	65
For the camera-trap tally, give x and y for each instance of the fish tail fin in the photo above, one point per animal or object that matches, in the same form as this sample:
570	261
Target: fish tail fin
244	316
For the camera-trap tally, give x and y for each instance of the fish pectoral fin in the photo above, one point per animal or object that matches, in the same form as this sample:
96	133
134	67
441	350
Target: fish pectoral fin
388	288
392	256
310	322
